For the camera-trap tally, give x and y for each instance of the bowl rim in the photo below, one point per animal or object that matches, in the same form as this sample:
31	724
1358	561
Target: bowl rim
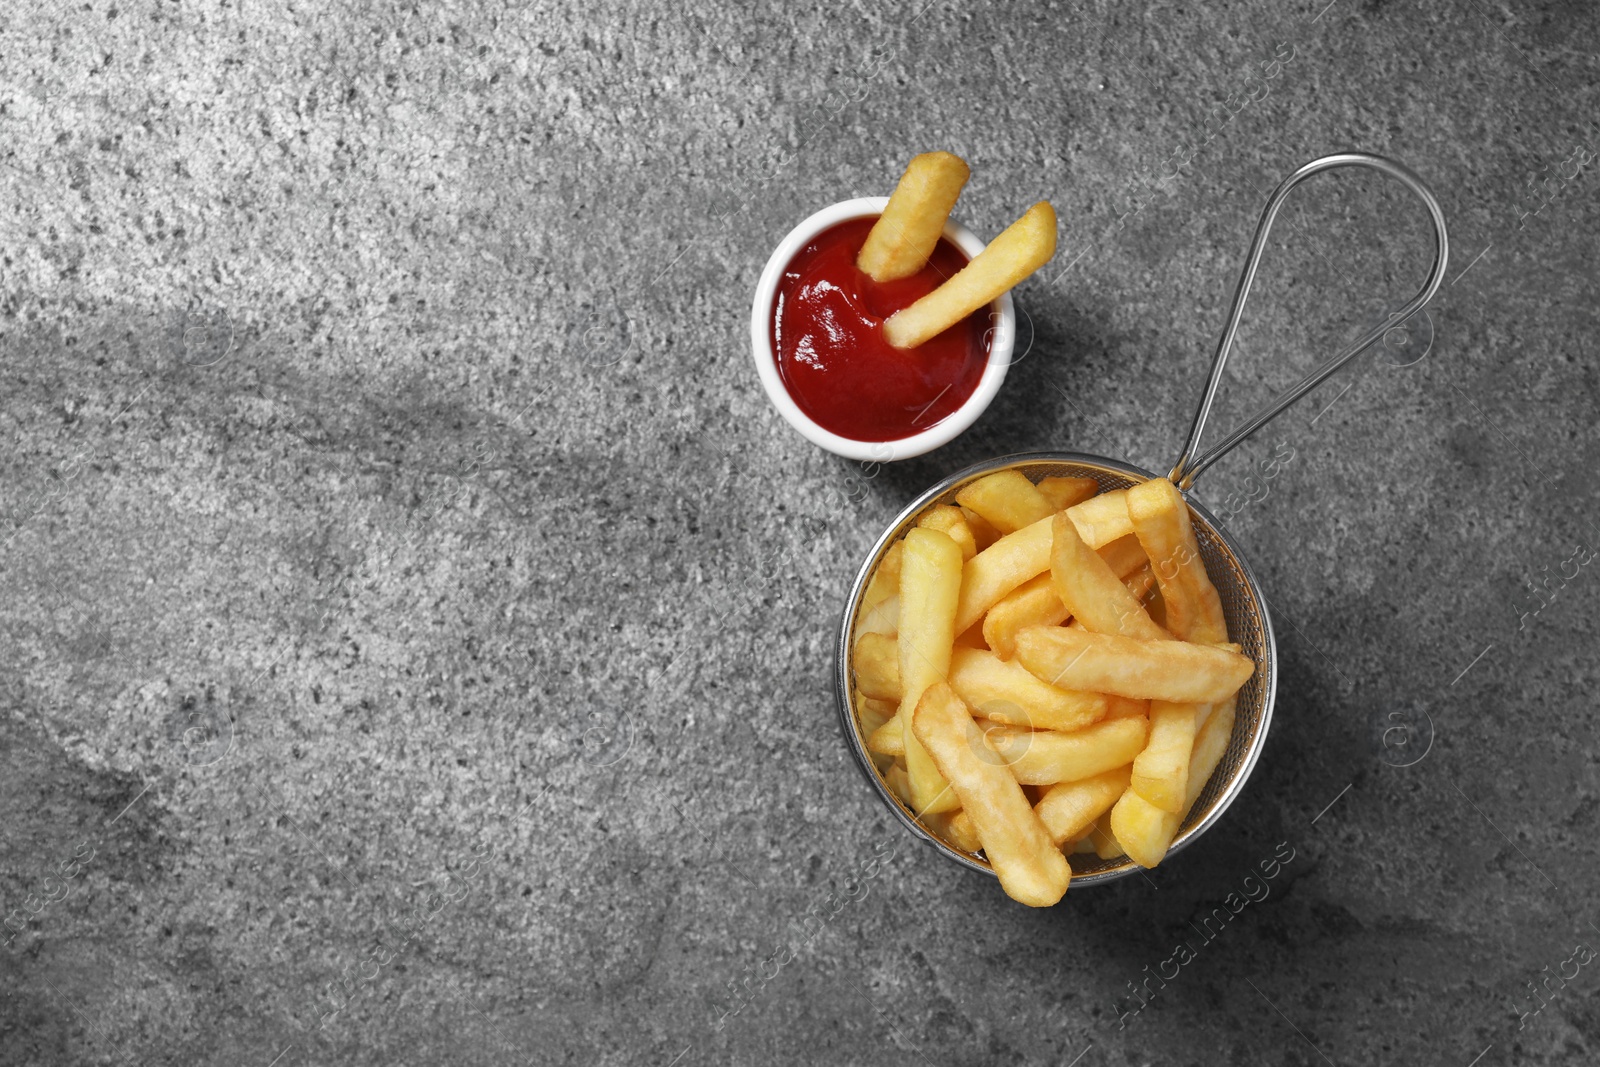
1001	343
843	692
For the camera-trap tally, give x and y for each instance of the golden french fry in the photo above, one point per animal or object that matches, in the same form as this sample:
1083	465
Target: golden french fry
1045	757
1102	519
1161	771
1140	583
953	523
882	618
1160	518
874	714
1022	248
1006	693
1069	809
983	531
1007	499
1000	568
1143	829
1082	846
1033	603
958	831
1105	842
1031	868
972	637
899	784
877	665
930	584
907	232
1126	707
889	739
1124	556
1065	492
885	580
1147	670
1091	590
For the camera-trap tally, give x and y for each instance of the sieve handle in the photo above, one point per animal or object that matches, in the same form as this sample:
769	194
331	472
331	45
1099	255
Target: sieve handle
1189	464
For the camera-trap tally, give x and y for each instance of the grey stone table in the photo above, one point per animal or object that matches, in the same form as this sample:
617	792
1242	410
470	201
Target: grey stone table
417	623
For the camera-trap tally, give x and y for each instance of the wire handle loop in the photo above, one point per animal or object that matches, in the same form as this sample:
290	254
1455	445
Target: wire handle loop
1190	465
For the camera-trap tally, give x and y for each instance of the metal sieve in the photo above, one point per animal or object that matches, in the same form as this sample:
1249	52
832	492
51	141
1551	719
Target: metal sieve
1249	622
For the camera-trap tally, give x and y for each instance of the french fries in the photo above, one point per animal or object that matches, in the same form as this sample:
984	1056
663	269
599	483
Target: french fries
1144	830
930	583
882	618
1022	248
1160	518
1015	660
982	531
1007	499
1033	603
1161	771
1000	568
960	832
1069	809
953	524
1091	590
908	230
877	663
885	580
1102	519
1006	693
1150	670
1065	492
1045	757
1031	867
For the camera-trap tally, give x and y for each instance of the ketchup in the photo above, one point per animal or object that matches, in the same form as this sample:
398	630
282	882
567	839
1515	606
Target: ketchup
827	329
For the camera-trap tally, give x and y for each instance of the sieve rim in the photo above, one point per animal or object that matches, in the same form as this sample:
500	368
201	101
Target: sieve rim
843	692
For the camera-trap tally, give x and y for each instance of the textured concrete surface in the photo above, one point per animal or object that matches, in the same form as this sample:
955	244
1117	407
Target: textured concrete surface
417	623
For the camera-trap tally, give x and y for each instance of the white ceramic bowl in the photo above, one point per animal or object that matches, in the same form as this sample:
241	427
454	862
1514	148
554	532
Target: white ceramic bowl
1001	340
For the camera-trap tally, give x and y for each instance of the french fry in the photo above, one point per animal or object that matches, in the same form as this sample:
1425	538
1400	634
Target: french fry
959	832
874	714
1161	771
972	637
1083	846
1124	556
882	618
1105	842
885	580
1007	499
1033	603
1144	830
1102	519
877	664
1065	492
1148	670
1126	707
899	784
1069	809
1160	518
1091	590
1006	693
907	232
1140	583
930	584
889	739
952	523
1045	757
983	532
1022	248
1031	868
1000	568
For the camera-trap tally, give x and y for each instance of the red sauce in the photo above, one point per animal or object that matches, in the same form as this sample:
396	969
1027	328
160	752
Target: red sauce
827	329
